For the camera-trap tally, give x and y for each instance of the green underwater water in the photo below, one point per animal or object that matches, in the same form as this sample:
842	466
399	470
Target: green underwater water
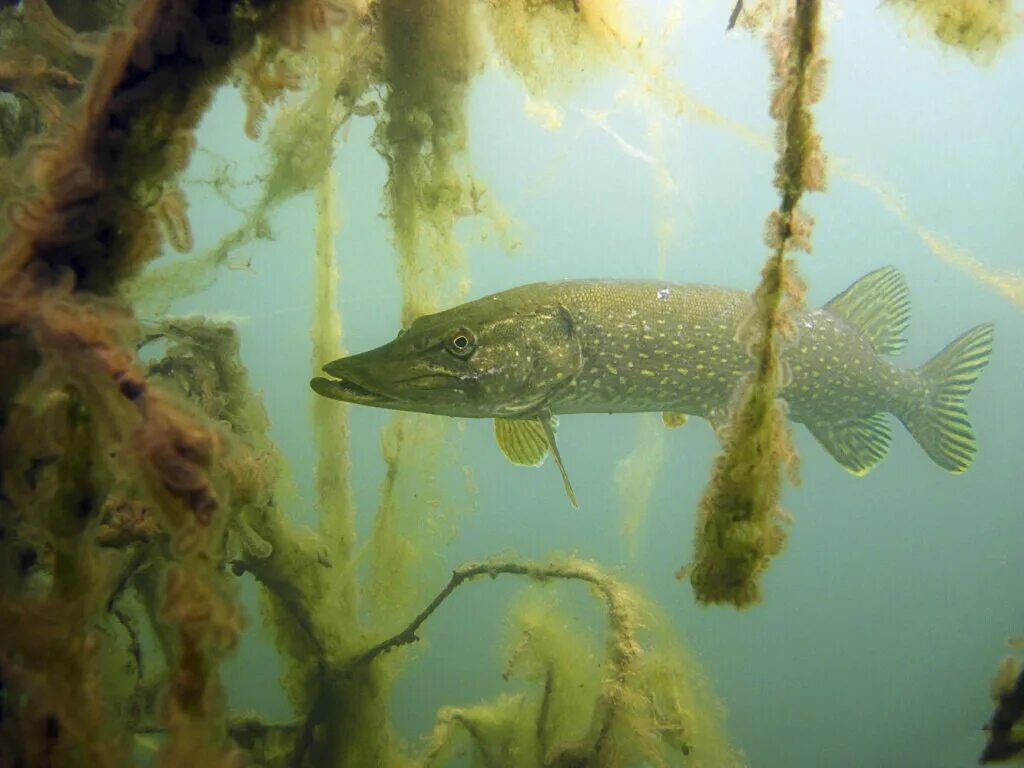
887	612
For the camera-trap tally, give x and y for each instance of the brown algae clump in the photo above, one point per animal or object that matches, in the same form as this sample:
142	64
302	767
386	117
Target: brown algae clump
552	44
979	28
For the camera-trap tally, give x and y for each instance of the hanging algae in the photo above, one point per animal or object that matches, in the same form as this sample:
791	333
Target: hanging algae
43	65
430	53
1007	283
979	28
738	527
193	485
330	424
83	225
551	46
635	475
299	147
54	586
342	716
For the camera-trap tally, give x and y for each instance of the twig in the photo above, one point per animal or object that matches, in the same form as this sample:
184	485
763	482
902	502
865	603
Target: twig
135	651
545	706
304	741
264	570
735	15
462	574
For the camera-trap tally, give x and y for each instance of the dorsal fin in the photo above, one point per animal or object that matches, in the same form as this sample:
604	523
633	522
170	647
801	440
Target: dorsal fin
877	305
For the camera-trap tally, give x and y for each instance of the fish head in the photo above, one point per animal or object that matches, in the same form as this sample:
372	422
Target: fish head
489	358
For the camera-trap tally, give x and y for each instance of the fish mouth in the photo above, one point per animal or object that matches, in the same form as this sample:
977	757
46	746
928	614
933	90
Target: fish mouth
434	382
342	385
348	391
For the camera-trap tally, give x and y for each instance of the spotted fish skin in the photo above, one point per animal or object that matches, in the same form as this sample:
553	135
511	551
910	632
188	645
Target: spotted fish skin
652	346
618	346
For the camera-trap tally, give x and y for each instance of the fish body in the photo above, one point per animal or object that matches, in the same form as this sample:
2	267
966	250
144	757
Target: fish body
648	346
616	346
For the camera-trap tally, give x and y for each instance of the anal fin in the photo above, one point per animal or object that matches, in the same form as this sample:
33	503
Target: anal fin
857	443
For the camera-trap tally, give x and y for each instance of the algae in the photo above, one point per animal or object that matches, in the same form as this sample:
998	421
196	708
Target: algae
738	526
978	28
137	487
1006	727
635	476
635	713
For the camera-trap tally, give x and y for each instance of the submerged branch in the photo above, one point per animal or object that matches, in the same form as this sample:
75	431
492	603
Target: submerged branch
737	530
622	646
735	15
571	570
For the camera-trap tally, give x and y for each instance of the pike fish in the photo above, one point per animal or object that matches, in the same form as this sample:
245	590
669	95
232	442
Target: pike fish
526	355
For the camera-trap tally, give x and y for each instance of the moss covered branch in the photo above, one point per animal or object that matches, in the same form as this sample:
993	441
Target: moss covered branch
620	619
738	528
628	719
88	222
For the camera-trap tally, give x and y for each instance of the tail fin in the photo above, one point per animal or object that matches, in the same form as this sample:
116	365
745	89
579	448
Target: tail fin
940	424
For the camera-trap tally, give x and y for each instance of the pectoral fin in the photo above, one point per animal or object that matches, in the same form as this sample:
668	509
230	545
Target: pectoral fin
527	441
523	441
857	444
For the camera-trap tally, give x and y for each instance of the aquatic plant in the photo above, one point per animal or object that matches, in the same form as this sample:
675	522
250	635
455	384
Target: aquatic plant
135	493
1006	727
84	227
635	475
738	528
138	482
978	28
639	712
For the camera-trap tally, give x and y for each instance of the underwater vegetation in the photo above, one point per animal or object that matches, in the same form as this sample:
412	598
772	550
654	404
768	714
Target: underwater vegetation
1006	727
738	527
138	480
979	28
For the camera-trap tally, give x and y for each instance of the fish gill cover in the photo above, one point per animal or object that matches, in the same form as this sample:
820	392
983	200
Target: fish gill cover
138	486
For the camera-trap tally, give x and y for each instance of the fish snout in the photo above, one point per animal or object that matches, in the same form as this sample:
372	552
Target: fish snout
337	369
327	388
351	380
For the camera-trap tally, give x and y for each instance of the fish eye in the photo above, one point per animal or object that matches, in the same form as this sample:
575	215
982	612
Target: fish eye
461	343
